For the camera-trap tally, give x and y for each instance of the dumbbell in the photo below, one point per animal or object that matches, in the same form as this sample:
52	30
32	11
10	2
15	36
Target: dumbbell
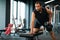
48	26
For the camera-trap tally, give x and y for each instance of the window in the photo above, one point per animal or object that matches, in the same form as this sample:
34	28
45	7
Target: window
15	6
59	16
13	11
17	14
21	10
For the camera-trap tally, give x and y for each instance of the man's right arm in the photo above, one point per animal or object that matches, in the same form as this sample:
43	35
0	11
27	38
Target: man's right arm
32	22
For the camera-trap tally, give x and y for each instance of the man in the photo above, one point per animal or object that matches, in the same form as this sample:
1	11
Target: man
40	16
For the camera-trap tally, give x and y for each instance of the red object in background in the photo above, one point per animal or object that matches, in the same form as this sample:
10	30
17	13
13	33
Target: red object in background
8	29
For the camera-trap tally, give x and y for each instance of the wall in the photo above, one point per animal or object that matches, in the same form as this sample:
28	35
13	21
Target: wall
2	13
28	12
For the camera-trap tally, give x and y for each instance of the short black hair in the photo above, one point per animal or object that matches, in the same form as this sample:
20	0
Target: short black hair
38	2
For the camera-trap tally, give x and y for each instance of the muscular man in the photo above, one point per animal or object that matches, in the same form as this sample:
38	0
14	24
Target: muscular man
39	17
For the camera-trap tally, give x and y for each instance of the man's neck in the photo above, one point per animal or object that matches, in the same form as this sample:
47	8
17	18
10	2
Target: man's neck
40	10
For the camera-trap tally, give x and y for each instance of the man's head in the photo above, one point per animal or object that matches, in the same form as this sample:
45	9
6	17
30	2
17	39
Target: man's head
38	5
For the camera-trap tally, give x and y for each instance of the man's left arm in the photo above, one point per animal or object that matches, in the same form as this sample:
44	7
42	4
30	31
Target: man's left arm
50	15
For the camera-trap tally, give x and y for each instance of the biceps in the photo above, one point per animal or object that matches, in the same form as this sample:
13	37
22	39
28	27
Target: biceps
33	18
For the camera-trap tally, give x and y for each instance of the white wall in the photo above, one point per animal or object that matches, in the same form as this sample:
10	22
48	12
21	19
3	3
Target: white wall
2	13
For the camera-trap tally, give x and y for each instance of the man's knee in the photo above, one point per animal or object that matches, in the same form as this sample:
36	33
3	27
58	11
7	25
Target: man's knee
35	30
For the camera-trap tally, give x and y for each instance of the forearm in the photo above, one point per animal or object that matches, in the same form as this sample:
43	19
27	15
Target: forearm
32	26
50	14
50	18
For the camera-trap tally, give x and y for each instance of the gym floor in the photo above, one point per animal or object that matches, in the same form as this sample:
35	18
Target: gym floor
44	36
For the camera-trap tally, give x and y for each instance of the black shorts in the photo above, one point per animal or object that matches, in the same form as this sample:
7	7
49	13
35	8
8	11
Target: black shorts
47	26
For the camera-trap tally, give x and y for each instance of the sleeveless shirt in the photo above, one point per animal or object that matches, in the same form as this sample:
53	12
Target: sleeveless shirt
43	16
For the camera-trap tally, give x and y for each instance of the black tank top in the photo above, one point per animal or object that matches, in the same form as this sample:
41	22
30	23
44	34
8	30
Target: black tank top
41	17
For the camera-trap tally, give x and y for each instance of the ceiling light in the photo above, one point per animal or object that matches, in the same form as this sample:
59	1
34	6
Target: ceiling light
49	1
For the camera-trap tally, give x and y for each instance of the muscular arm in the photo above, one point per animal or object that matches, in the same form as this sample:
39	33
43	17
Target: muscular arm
32	22
50	14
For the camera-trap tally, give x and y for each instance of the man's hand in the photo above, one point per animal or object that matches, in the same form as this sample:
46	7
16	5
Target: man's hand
31	33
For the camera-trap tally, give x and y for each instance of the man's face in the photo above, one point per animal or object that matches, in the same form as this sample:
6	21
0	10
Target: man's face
38	7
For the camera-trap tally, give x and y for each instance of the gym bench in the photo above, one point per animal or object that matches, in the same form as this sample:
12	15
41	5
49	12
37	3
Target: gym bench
31	37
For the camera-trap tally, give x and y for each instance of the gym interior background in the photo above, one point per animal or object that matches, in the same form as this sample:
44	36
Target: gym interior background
19	11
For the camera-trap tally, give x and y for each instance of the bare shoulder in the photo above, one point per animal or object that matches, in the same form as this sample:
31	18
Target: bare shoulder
33	13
